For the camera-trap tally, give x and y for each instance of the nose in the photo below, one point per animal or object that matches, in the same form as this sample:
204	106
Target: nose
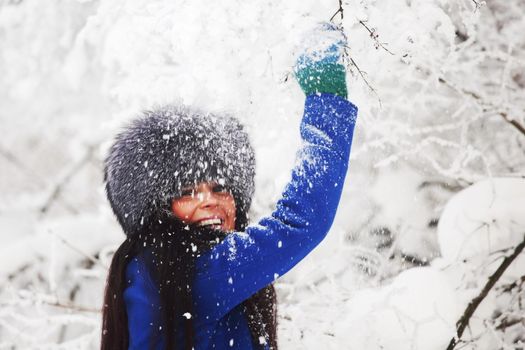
207	198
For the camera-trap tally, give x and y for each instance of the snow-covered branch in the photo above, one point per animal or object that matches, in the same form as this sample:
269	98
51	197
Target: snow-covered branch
492	280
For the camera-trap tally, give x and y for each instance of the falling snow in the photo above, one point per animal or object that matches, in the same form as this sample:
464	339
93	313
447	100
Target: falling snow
433	199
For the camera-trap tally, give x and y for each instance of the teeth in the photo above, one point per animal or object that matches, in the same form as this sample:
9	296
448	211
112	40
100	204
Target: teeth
209	222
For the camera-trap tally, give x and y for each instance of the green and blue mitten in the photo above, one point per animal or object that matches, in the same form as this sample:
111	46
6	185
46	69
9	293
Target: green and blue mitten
319	68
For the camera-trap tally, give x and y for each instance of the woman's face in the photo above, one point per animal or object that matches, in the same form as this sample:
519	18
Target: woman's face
207	204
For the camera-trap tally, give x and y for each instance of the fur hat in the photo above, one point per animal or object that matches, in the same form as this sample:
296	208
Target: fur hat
169	148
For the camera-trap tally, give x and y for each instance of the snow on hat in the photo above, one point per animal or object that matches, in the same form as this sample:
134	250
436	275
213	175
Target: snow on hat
169	148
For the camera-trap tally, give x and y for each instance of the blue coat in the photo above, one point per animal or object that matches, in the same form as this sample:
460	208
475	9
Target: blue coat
246	262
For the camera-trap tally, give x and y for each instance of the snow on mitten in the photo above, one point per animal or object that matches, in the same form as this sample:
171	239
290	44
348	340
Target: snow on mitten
319	68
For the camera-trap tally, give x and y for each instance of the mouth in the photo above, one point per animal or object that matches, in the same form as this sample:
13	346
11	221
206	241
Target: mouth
215	223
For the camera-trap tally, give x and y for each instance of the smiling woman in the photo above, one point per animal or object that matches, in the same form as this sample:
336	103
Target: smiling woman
177	199
206	205
192	274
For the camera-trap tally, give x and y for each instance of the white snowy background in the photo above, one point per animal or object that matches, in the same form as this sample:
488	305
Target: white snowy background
435	196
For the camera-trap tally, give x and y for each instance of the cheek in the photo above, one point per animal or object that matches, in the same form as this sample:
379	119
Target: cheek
183	209
230	209
229	205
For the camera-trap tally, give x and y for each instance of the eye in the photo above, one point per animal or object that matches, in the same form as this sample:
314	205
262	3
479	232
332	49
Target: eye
220	189
187	192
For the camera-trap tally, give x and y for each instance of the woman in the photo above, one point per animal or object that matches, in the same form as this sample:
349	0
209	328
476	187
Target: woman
192	274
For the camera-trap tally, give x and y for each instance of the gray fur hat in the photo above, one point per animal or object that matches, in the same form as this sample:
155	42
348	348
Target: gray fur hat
169	148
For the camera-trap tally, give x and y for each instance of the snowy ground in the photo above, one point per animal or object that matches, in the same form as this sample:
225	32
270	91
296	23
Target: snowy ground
435	196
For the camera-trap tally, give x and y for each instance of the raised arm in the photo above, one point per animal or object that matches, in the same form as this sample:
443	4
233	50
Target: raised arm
246	262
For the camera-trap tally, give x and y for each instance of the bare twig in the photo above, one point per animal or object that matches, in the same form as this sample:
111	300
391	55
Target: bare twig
69	306
340	27
362	74
69	175
509	287
11	158
79	251
375	37
477	4
477	97
346	54
463	322
507	322
452	187
335	14
339	11
514	123
73	307
36	298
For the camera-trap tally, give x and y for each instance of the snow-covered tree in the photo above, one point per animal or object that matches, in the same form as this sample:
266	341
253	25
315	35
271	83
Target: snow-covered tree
433	200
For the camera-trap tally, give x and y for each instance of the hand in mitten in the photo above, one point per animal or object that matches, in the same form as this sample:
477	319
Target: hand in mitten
319	68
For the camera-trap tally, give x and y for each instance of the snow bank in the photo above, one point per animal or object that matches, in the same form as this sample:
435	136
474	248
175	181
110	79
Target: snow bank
417	311
482	219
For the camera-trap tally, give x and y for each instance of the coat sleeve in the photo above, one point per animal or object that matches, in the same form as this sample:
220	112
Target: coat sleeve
245	262
143	307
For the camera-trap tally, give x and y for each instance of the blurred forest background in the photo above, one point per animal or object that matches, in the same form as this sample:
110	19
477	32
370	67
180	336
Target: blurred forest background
434	199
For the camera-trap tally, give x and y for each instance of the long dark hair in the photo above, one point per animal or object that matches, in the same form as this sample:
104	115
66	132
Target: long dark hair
172	248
